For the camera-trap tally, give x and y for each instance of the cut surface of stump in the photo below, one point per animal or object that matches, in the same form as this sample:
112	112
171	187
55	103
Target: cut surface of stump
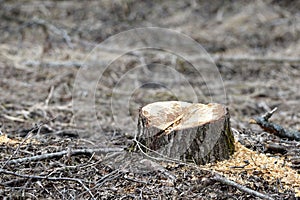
191	132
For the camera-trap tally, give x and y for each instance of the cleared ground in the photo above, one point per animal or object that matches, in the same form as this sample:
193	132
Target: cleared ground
44	44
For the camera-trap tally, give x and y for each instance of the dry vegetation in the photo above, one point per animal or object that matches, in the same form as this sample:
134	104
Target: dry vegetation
255	46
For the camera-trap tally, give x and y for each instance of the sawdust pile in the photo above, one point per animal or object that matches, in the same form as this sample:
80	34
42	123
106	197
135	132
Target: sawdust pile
273	169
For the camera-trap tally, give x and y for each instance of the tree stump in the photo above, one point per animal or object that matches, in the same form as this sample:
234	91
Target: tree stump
196	133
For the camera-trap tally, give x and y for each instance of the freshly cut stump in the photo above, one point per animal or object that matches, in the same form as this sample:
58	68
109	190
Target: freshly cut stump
197	133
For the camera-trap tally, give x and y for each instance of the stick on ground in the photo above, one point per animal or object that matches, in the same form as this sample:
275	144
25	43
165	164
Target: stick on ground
276	129
241	187
62	153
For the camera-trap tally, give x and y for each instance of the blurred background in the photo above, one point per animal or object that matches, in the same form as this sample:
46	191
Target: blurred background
255	46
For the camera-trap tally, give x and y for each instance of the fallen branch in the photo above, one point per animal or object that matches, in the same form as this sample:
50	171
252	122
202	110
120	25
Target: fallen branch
12	118
52	64
43	23
12	183
48	26
249	58
214	57
276	129
241	187
295	160
62	153
276	148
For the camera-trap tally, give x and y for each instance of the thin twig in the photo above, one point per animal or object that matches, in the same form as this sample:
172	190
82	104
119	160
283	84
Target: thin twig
11	118
47	25
43	23
49	96
28	135
2	171
134	180
241	187
269	114
111	176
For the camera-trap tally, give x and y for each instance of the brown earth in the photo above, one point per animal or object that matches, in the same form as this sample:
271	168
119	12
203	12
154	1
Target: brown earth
43	46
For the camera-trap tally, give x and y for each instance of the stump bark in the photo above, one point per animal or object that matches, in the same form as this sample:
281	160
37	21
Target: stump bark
196	133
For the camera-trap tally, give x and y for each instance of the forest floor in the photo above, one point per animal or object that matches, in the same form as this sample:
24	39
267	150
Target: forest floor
46	107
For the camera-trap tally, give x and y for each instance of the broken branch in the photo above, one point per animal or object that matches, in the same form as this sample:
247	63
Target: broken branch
276	129
62	153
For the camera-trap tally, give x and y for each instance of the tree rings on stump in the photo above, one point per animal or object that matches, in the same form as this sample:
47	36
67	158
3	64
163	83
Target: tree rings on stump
190	132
